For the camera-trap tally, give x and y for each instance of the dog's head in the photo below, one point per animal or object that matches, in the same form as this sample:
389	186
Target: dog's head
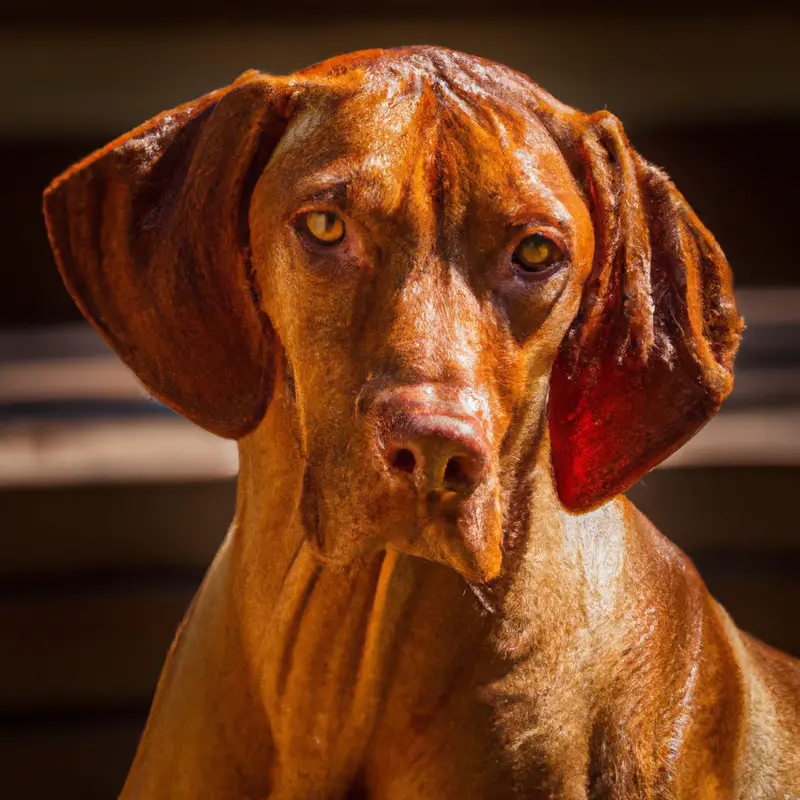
428	257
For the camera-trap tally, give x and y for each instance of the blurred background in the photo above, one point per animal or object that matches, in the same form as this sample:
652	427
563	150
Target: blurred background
111	507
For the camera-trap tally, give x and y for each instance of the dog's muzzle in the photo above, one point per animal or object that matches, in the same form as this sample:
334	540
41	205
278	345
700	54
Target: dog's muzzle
435	463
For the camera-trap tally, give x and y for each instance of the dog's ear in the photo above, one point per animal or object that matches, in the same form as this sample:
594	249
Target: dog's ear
649	357
151	237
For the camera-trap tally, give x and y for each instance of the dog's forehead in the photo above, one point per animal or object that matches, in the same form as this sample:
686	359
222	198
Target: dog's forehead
383	138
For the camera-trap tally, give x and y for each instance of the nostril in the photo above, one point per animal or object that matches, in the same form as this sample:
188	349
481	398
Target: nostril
456	475
404	460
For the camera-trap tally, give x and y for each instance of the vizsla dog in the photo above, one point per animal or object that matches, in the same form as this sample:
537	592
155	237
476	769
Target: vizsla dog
449	320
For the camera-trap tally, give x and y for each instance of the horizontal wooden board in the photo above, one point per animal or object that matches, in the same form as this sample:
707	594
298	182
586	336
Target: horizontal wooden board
738	509
142	446
86	649
766	605
50	81
99	649
69	758
136	446
60	531
175	13
89	529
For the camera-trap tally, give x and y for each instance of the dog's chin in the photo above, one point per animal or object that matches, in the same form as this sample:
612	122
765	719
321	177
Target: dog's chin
464	534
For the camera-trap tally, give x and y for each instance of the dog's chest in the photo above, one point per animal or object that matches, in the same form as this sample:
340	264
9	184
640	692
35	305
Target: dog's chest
329	664
374	673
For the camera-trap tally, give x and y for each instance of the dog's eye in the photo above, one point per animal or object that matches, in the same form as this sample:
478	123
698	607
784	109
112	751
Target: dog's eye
536	252
325	226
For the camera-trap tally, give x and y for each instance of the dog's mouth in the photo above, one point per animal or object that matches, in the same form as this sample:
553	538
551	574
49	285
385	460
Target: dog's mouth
462	533
425	483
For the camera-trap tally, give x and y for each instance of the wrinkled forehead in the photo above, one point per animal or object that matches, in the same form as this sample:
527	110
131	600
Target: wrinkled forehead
378	147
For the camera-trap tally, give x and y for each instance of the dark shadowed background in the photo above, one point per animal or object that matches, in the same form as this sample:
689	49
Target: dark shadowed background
111	506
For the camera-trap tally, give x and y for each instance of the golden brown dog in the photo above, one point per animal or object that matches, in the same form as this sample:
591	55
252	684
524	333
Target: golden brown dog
449	320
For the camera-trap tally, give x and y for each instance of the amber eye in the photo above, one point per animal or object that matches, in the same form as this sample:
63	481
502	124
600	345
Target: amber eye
536	252
325	226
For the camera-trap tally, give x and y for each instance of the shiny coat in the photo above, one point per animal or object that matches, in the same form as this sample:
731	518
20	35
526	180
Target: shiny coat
432	587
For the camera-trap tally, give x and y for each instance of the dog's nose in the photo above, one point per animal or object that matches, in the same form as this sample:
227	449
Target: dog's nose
439	446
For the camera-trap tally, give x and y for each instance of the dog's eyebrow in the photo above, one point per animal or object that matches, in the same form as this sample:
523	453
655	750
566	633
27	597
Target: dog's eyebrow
527	209
336	192
534	203
524	214
533	190
330	184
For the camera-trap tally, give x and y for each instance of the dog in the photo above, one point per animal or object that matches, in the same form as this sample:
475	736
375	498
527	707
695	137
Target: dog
449	320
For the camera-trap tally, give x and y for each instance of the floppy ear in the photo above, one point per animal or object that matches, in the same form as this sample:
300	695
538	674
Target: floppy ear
650	355
151	238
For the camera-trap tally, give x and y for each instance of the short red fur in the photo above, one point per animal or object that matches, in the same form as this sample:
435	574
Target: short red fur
431	587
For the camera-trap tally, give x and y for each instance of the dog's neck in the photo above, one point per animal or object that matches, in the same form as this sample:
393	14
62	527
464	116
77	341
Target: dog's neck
560	580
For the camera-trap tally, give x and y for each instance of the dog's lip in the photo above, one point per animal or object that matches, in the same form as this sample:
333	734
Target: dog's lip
472	550
462	532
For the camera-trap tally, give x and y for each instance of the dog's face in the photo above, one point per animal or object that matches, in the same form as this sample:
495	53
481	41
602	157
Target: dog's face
420	265
429	258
